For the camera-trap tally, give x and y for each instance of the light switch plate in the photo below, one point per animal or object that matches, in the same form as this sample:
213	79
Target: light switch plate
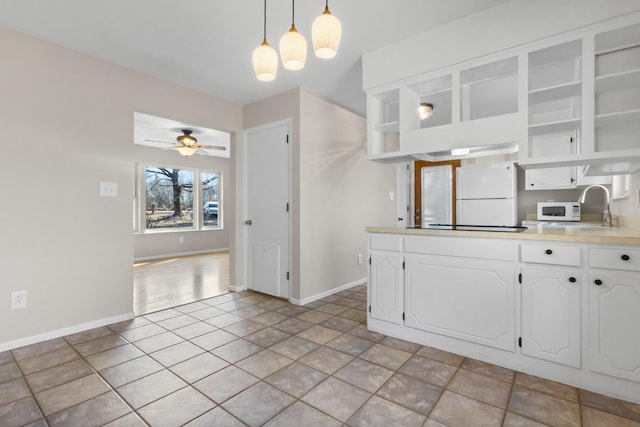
108	189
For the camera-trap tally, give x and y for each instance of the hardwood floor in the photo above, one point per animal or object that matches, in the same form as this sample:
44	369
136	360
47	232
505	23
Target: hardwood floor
169	282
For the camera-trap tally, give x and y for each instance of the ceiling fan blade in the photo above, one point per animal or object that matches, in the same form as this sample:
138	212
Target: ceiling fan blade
161	142
213	147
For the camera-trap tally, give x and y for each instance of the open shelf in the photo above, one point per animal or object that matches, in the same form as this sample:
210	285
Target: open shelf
617	81
389	127
618	118
552	127
554	93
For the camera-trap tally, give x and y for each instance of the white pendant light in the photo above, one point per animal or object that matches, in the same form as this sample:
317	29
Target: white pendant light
326	33
293	47
265	58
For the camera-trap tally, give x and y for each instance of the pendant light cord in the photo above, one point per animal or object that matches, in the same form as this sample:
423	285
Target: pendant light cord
293	13
265	20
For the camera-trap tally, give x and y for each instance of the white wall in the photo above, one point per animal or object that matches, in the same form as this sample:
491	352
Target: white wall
67	124
504	26
160	244
629	207
341	192
336	191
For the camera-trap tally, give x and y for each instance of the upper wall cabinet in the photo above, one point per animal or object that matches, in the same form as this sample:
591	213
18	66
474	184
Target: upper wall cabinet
617	91
474	108
383	111
570	100
587	91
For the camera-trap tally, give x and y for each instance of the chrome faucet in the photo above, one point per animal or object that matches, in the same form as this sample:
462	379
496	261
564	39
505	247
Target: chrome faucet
606	216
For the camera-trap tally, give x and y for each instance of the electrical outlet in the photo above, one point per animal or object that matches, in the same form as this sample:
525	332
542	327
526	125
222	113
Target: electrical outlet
359	259
181	239
18	300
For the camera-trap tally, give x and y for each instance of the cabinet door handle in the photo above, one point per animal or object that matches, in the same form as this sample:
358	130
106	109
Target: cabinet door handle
572	279
548	252
598	282
625	257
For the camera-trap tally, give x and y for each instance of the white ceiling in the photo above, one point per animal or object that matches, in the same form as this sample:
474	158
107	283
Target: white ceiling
206	45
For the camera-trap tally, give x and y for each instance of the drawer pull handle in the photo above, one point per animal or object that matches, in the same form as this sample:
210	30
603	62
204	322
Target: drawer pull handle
598	282
548	252
572	279
625	257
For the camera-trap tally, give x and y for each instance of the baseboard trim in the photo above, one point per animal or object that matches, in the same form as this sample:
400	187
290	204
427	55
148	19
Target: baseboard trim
10	345
236	288
177	254
324	294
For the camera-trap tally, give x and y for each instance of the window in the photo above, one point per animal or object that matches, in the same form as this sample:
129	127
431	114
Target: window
169	198
210	196
171	195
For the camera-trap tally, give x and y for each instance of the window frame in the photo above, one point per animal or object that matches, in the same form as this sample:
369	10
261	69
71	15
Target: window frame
140	200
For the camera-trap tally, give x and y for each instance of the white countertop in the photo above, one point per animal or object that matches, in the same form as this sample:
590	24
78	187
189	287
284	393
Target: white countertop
569	233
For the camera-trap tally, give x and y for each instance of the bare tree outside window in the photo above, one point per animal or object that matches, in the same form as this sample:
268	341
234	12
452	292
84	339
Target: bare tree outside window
169	198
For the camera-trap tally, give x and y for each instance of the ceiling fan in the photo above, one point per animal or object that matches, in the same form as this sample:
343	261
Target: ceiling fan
188	145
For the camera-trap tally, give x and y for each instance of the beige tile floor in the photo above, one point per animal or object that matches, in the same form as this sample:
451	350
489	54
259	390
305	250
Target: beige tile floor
249	359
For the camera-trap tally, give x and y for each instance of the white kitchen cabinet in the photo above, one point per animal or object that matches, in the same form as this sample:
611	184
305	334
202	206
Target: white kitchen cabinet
469	299
551	314
575	312
474	105
614	324
617	90
601	102
383	132
553	113
614	311
554	93
386	278
552	144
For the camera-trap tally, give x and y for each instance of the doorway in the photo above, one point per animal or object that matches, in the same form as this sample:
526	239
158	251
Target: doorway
435	192
169	282
267	214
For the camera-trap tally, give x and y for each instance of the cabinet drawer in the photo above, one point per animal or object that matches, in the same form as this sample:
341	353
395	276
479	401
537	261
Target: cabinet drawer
550	254
502	250
614	258
385	242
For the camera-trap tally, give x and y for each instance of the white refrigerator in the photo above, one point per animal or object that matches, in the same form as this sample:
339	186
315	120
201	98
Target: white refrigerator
487	194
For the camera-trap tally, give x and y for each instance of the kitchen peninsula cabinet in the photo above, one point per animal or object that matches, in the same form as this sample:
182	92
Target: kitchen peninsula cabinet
386	278
614	308
554	306
461	290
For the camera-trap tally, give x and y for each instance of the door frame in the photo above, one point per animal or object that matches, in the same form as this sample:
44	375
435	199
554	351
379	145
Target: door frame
417	186
245	184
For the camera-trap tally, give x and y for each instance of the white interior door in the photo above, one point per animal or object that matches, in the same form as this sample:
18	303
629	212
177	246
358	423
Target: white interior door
267	214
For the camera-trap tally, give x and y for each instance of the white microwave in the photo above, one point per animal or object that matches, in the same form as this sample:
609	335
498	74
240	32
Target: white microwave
558	211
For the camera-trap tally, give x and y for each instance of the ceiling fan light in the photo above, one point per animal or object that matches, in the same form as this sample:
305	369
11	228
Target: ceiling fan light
326	33
186	150
293	49
186	139
265	62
